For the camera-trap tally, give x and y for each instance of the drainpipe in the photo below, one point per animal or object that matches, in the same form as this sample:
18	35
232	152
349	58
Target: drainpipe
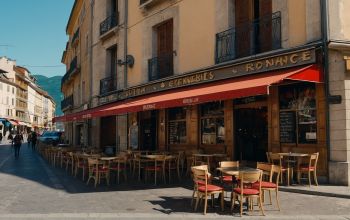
92	5
126	12
125	44
325	38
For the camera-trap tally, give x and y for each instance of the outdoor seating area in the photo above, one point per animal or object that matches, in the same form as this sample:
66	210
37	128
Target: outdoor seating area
236	187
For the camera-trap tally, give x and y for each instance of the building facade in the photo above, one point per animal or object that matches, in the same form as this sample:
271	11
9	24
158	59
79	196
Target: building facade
28	99
239	77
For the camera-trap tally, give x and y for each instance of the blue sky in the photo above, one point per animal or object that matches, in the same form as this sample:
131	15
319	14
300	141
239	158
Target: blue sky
35	33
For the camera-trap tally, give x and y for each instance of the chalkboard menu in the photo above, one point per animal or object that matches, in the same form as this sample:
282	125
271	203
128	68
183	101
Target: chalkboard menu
134	137
177	132
287	127
173	132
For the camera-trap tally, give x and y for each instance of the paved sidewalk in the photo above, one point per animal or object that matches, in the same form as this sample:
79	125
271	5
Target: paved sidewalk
32	189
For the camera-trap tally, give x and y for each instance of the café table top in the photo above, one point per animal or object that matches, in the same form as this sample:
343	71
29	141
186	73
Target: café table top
209	155
152	156
232	171
109	158
291	154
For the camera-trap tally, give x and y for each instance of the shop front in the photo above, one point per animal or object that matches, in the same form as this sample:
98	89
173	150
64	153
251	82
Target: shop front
243	110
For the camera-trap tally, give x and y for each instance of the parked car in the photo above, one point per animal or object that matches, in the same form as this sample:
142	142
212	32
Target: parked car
50	137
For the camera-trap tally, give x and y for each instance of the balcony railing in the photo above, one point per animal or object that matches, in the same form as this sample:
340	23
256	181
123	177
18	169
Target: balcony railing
108	85
67	102
73	68
255	37
160	67
109	23
75	36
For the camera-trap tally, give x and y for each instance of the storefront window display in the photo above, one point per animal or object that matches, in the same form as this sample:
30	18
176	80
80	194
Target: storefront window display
298	122
212	123
177	126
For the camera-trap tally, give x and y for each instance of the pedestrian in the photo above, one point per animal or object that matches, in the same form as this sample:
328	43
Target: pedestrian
10	137
29	139
17	141
34	138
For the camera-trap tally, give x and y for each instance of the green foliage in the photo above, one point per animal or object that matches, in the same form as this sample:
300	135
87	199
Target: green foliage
53	86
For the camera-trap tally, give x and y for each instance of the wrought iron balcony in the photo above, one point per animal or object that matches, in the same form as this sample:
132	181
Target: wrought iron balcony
109	23
108	85
161	66
67	102
73	68
255	37
75	36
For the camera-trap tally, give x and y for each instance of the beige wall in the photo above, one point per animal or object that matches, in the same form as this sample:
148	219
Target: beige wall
339	19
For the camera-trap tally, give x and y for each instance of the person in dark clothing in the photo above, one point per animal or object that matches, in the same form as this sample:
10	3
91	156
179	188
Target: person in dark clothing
17	141
10	137
34	138
29	139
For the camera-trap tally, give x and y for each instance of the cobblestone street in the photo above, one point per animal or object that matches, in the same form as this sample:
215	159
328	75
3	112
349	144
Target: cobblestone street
32	189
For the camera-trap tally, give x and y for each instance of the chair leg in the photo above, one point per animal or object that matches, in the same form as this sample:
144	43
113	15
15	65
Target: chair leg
197	201
212	200
277	200
309	177
315	178
270	197
241	205
205	204
233	198
261	206
222	200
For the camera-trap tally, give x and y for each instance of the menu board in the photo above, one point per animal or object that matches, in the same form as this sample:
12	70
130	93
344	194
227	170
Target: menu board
173	132
287	127
134	137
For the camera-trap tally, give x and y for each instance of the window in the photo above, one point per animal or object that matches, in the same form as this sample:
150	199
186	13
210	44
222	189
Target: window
212	123
298	121
13	90
13	101
177	126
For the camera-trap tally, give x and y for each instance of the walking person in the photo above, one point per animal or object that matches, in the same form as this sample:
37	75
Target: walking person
10	137
29	139
17	141
33	138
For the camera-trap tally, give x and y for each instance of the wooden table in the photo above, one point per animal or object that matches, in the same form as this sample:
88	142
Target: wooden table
151	158
293	158
208	157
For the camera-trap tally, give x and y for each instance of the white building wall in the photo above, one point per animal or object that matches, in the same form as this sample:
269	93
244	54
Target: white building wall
31	103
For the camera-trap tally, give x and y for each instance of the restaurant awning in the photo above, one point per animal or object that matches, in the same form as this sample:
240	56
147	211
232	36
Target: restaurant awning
22	123
14	123
222	90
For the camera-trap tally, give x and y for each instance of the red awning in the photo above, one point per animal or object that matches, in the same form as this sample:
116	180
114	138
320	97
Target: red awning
222	90
14	123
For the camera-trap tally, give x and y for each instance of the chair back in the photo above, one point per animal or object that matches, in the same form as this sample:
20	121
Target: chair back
275	170
92	164
224	164
200	174
268	157
249	177
266	168
276	159
313	160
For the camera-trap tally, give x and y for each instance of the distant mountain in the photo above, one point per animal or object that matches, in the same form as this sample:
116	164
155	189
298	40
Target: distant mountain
53	86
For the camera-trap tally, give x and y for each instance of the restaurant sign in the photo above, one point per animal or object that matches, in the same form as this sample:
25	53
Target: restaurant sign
272	63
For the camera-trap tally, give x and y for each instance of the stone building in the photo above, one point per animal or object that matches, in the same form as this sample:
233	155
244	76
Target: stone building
240	77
